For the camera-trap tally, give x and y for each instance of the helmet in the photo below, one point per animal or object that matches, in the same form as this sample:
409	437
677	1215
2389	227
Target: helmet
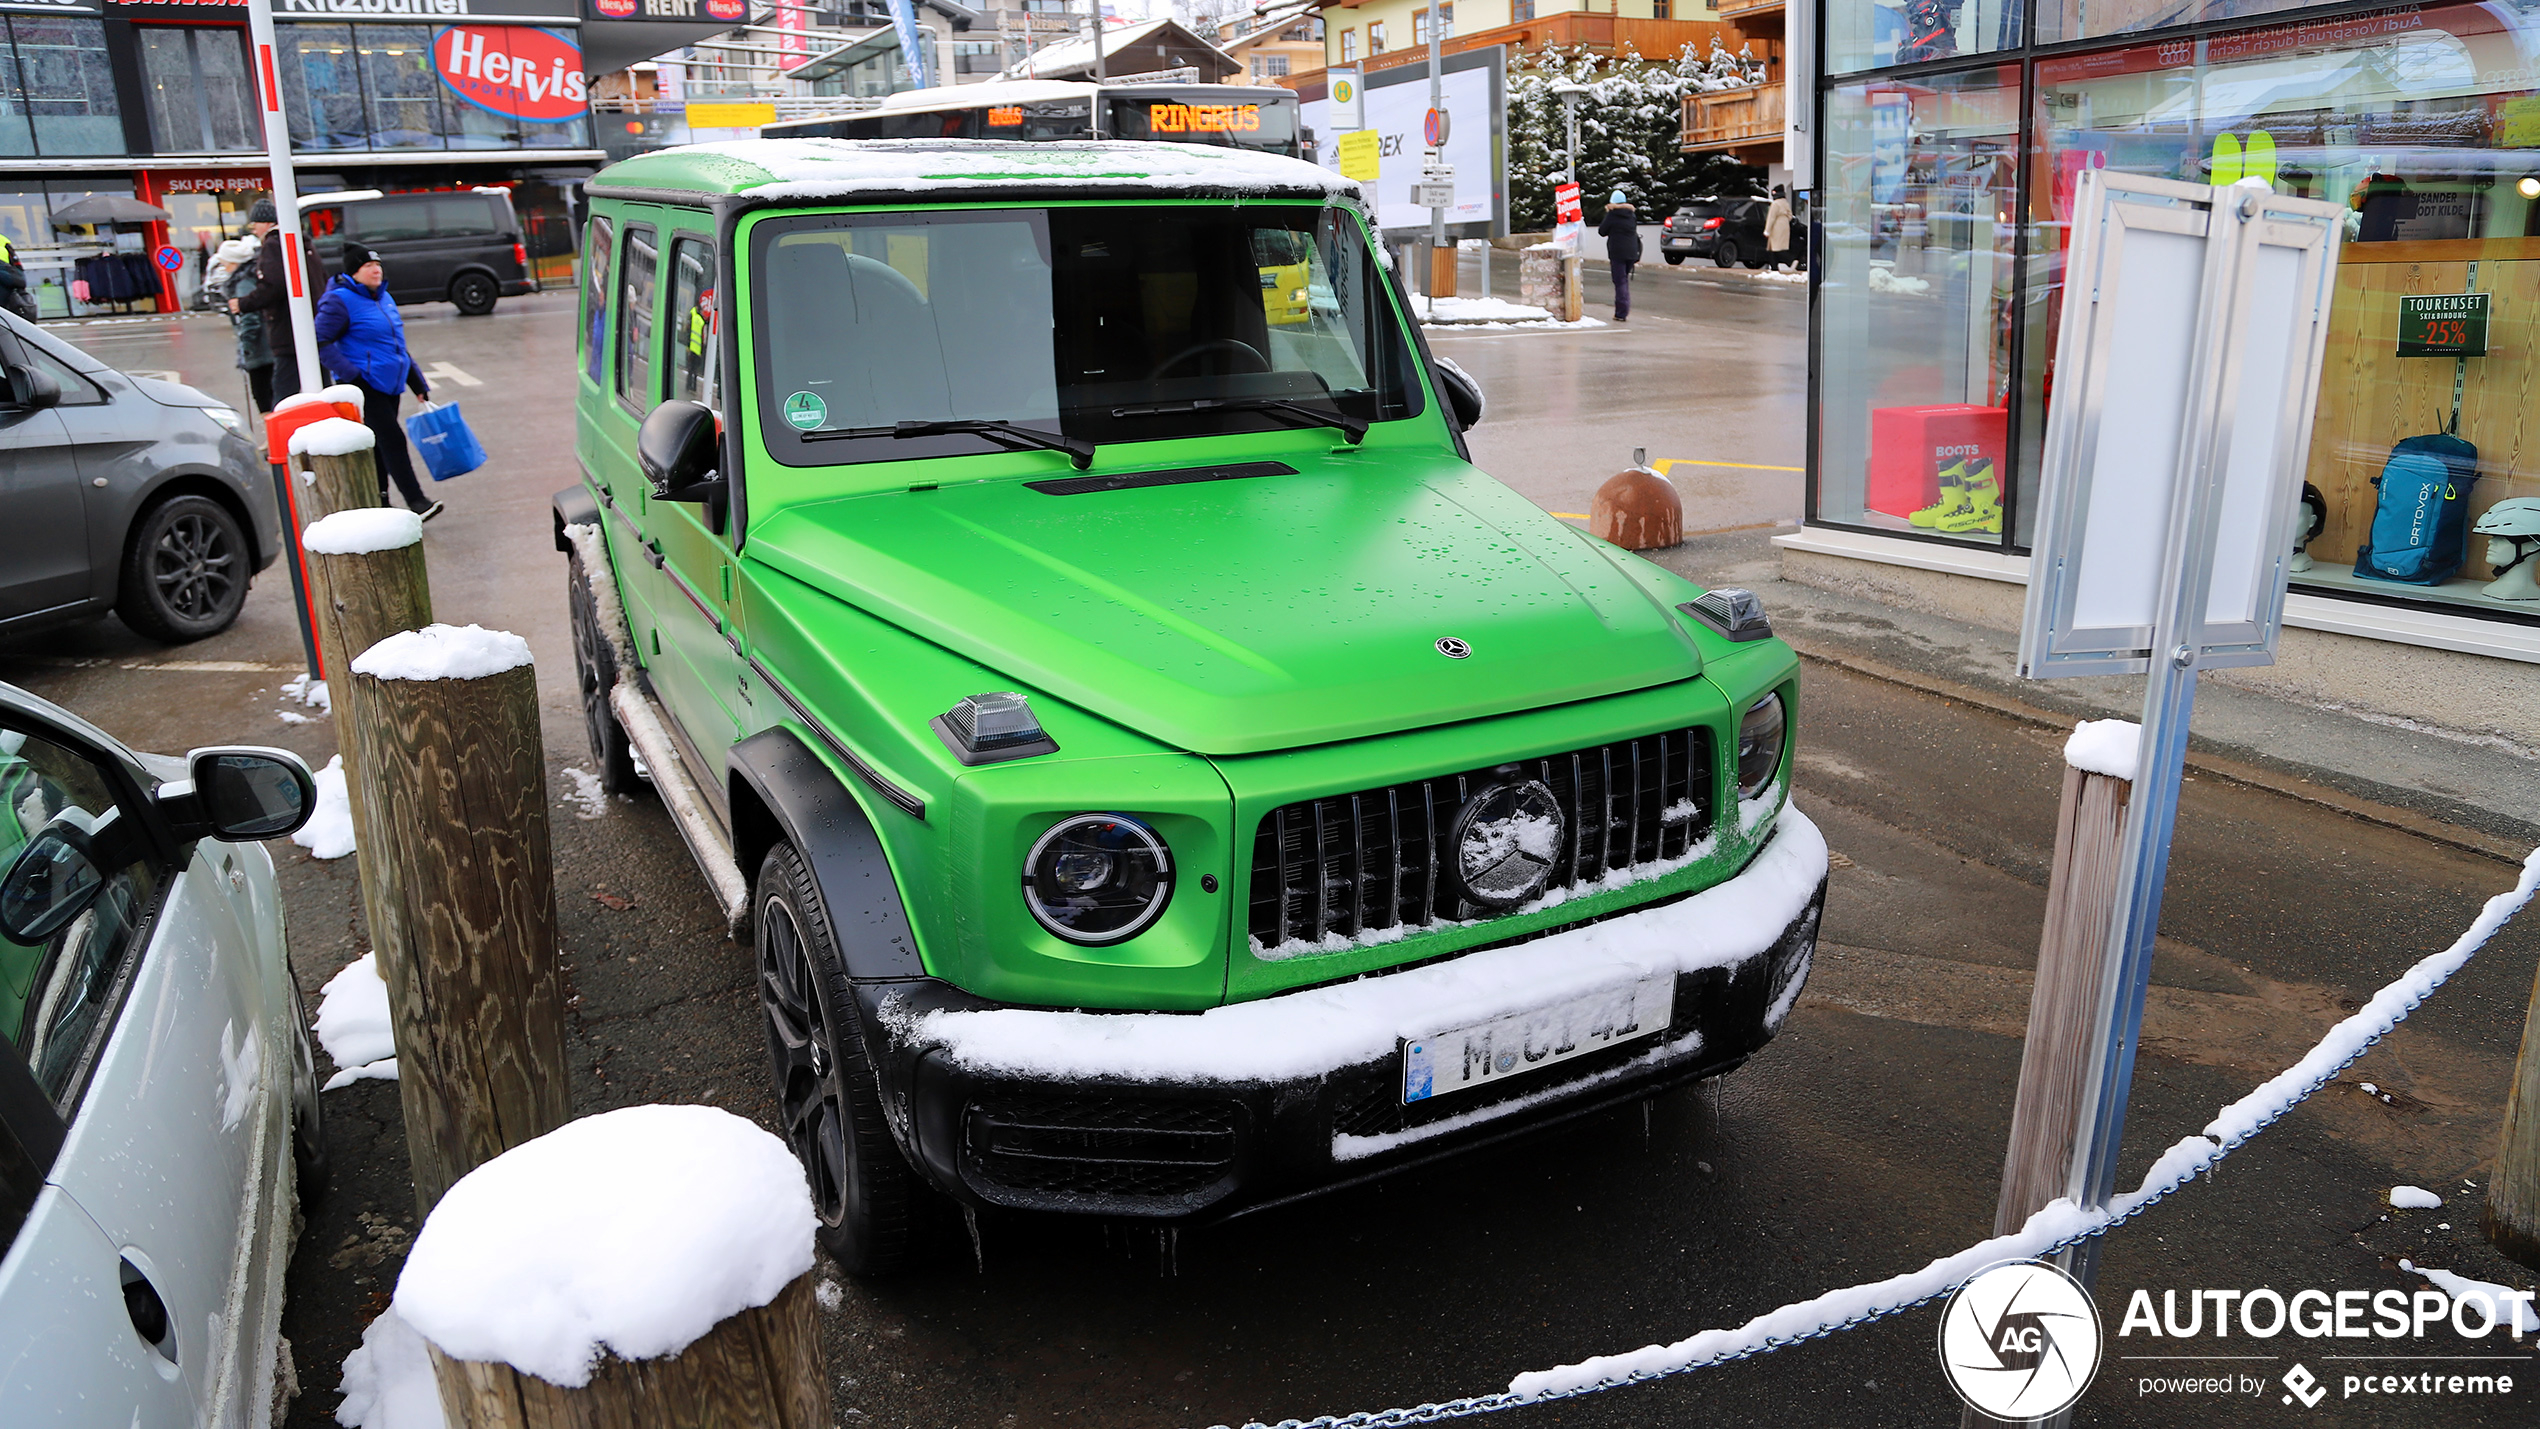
2513	516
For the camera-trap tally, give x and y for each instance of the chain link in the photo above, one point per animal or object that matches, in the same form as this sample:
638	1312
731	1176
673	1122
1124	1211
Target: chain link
2127	1211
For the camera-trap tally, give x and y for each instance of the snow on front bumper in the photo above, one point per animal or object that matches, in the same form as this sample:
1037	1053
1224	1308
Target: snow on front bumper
1262	1101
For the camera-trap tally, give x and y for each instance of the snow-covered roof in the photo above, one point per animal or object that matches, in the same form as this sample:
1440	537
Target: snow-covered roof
844	170
1076	56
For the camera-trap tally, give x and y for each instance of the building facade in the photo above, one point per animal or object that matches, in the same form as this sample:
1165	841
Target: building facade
155	101
1949	141
1378	32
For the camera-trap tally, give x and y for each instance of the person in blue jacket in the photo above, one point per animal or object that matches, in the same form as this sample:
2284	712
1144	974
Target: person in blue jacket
361	340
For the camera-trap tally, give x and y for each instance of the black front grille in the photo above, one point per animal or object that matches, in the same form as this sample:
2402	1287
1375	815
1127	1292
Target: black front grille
1377	858
1101	1145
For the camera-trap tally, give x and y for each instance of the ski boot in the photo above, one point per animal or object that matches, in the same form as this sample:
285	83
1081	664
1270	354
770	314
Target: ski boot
1953	497
1983	511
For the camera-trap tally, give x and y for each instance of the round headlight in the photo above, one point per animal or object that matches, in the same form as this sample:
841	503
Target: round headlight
1759	746
1097	878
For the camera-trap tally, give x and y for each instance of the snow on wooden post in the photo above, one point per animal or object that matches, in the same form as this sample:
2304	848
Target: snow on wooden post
366	578
650	1266
342	474
459	887
2072	960
2512	1215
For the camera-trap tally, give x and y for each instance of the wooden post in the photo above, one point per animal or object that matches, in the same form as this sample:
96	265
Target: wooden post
2512	1215
1442	275
1573	296
338	469
761	1368
459	886
364	591
2063	1008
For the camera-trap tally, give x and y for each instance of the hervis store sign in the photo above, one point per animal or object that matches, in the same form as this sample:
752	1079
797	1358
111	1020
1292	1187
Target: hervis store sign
517	71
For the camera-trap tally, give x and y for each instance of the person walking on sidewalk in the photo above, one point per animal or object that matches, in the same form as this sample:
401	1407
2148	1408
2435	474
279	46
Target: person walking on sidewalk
271	299
1777	227
361	340
1621	227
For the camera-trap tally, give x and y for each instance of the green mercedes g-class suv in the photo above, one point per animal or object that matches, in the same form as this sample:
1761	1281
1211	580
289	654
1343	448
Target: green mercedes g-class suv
1162	776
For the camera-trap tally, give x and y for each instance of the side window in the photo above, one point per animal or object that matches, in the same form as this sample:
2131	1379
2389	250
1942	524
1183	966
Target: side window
694	324
635	321
461	216
388	220
57	996
77	391
598	247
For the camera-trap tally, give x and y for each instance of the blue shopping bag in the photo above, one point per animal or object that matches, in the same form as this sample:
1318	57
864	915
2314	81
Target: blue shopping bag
449	448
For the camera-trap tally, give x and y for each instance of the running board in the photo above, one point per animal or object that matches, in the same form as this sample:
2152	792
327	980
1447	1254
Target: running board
645	728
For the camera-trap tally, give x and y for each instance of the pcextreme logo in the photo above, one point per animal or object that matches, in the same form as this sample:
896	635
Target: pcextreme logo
2020	1340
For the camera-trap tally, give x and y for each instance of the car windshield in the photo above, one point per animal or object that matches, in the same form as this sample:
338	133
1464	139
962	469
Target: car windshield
1111	323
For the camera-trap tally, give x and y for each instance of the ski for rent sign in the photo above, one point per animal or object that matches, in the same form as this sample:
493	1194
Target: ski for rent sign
517	71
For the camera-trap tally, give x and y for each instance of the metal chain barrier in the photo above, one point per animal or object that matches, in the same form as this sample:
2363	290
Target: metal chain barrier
2050	1230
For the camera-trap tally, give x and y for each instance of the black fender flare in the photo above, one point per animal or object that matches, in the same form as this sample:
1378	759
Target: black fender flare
799	800
573	506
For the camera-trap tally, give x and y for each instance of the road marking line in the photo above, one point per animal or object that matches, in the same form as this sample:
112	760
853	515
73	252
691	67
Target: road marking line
1663	463
189	667
1569	515
443	370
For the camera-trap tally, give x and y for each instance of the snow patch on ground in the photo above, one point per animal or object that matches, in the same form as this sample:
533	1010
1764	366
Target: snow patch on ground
287	717
312	693
388	1380
329	831
443	652
332	436
383	1070
353	1024
2504	1302
1450	310
631	1233
2105	746
2414	1198
1883	279
589	800
1350	1024
363	531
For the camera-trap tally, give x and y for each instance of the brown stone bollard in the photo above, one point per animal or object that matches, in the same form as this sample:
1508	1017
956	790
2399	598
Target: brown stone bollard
1638	509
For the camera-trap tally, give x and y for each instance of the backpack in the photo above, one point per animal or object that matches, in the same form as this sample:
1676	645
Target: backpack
2420	522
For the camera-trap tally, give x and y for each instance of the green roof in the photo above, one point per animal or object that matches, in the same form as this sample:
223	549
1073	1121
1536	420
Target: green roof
949	170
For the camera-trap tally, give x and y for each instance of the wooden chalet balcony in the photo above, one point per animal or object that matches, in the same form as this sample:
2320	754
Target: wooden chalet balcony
1748	9
1605	34
1733	118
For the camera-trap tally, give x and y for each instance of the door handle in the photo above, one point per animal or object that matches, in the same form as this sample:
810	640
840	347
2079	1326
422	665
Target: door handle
150	1318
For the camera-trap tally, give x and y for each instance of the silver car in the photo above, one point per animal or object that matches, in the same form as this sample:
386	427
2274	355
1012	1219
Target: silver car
158	1108
122	493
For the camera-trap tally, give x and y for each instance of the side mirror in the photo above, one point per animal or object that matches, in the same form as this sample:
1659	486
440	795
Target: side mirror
240	794
32	389
53	881
679	447
1463	394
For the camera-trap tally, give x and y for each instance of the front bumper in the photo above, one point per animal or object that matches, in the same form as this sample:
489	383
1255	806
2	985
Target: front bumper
1175	1116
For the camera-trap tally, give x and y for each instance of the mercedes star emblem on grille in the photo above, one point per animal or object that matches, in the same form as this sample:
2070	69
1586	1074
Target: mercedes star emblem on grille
1506	841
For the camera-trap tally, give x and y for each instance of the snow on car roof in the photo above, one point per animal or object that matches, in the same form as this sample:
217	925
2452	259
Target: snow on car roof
835	170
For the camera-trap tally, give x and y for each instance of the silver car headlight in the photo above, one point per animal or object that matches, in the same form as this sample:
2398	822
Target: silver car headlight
1759	746
227	417
1097	878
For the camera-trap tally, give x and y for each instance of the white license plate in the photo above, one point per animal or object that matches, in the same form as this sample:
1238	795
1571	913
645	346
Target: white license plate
1510	1046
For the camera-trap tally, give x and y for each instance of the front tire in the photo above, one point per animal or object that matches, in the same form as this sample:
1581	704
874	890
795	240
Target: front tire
312	1166
1724	254
595	668
184	571
871	1206
474	294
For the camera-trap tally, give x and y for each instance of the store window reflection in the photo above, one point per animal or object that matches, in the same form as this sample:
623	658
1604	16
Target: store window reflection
66	91
196	83
1915	292
2431	139
403	92
1873	34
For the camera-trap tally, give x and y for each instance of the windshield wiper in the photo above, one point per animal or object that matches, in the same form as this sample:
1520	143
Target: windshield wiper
1351	427
1015	435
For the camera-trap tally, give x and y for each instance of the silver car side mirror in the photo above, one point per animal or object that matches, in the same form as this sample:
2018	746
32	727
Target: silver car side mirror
240	793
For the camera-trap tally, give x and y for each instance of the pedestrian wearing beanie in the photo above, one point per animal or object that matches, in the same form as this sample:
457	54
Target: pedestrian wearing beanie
1621	227
271	298
361	340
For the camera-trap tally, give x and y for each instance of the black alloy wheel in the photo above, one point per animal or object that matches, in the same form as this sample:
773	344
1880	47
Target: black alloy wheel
871	1205
595	666
185	571
1724	253
313	1167
474	293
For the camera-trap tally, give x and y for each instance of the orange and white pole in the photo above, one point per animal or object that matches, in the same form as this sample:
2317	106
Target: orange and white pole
298	276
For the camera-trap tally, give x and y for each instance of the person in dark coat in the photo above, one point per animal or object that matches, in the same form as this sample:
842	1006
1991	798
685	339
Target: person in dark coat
1621	227
362	340
271	297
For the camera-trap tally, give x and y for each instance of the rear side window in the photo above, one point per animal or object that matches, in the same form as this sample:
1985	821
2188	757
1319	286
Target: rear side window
635	320
462	216
388	220
598	247
693	323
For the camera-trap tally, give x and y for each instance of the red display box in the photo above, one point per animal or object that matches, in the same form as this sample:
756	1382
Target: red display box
1909	446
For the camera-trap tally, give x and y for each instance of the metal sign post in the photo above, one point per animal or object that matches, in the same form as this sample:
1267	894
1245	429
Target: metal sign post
2189	361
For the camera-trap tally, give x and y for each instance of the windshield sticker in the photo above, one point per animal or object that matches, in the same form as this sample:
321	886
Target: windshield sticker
806	411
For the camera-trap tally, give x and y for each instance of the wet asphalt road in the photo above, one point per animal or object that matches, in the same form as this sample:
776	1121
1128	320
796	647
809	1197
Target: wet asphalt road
1864	1142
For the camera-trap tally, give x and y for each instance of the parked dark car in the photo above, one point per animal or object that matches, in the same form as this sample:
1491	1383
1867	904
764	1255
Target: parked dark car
122	493
466	249
1728	231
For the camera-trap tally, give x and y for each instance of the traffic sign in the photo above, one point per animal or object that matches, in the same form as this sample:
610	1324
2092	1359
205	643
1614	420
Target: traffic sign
1435	129
168	258
1434	193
